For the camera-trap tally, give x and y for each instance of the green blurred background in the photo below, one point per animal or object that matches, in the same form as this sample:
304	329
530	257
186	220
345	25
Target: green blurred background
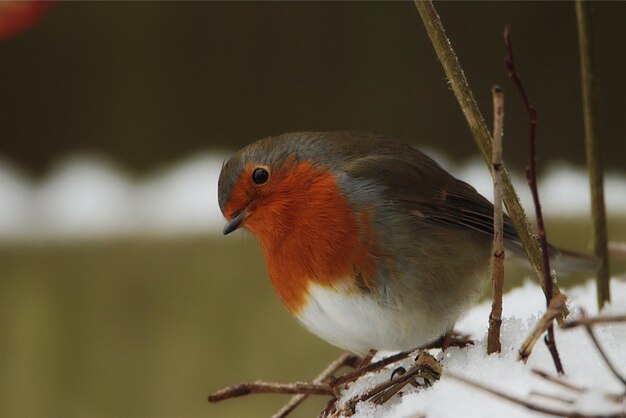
150	82
149	326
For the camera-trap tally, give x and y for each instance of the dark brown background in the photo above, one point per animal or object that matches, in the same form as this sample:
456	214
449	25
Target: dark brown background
147	83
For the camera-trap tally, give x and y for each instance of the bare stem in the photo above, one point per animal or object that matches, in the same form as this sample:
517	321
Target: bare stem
346	359
542	325
425	367
585	320
558	381
531	176
587	325
349	377
248	388
593	145
497	273
479	130
526	404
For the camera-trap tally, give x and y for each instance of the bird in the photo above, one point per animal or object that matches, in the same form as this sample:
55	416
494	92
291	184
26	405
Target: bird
368	242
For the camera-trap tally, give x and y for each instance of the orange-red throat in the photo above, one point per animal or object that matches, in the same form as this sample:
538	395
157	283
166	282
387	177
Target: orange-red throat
307	228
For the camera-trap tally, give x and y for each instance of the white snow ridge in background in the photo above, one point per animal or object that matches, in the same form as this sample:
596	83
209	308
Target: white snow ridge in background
89	197
82	197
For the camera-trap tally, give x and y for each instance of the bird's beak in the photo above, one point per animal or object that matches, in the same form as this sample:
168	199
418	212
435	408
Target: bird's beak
235	222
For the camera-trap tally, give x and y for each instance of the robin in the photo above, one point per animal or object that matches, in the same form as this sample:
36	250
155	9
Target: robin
369	243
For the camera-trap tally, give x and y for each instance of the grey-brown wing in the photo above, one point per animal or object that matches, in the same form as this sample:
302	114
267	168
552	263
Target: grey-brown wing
421	187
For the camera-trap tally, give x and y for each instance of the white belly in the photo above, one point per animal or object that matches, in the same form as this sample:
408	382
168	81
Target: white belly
356	322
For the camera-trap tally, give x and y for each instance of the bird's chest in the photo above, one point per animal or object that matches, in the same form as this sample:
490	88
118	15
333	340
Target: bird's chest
358	321
320	257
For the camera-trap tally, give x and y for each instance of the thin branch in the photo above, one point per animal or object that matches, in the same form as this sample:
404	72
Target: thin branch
425	367
531	176
479	130
349	377
585	320
587	323
593	146
346	359
606	359
451	338
248	388
558	381
526	404
540	328
497	273
552	397
456	340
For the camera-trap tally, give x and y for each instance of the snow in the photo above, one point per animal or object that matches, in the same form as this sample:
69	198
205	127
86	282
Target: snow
522	307
87	196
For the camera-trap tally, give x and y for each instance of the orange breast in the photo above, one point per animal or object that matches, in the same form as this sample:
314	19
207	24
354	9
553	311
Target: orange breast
310	232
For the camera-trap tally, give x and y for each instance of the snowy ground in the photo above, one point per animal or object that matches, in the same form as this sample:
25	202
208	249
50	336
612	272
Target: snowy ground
522	308
88	196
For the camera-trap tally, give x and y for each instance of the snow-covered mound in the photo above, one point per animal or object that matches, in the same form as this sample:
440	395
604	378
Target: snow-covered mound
88	196
522	307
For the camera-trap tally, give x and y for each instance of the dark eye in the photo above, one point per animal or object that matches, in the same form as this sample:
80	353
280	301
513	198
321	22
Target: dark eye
260	175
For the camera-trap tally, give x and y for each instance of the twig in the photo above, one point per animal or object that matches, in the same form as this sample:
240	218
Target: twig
585	320
587	323
349	377
497	273
607	361
425	367
531	176
247	388
593	147
450	339
346	359
526	404
465	98
457	340
551	397
558	381
542	325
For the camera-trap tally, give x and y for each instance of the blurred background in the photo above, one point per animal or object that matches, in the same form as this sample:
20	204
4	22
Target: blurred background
118	294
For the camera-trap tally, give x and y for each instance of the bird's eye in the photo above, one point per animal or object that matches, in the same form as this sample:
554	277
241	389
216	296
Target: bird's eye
260	175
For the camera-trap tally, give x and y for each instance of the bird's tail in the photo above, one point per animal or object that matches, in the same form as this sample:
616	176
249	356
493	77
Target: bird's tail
563	261
568	261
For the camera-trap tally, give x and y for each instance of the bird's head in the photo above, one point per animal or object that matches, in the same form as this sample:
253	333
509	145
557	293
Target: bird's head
290	191
265	185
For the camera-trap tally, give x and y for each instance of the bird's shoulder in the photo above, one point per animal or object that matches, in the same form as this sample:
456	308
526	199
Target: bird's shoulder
408	181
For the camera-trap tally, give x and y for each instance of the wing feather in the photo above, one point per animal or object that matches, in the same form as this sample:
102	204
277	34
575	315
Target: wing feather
420	186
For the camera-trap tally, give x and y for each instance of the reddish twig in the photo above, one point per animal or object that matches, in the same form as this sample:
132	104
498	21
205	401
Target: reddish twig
456	340
346	359
349	377
247	388
425	367
531	177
